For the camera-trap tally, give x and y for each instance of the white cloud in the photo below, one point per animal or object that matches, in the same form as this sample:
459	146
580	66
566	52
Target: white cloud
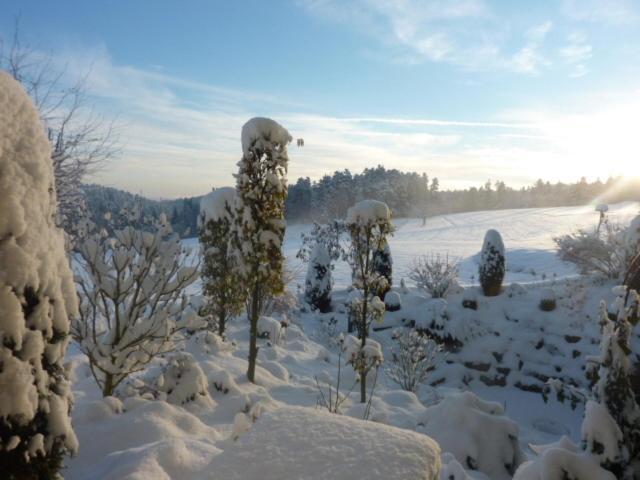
464	33
576	53
613	12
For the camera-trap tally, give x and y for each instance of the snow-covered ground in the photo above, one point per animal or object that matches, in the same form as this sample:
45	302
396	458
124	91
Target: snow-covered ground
509	348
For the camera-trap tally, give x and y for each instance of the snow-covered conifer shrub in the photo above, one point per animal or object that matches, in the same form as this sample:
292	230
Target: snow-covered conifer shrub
222	287
132	300
369	224
182	381
392	302
383	266
435	274
319	282
259	225
547	300
492	264
37	298
412	359
612	379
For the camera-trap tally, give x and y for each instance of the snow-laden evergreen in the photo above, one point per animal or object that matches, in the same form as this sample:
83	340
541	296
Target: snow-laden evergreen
37	299
258	231
491	270
383	266
318	282
222	288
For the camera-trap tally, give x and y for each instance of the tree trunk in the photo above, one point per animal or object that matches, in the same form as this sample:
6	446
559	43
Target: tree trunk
363	387
107	389
253	335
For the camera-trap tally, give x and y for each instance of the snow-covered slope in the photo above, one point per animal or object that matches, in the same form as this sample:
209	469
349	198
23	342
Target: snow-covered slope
508	348
527	234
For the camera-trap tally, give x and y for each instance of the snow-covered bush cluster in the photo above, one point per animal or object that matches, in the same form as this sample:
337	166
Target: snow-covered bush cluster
436	274
608	251
37	299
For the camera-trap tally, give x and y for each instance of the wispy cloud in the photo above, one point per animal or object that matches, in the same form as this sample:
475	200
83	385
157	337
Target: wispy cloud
464	33
576	53
614	12
182	137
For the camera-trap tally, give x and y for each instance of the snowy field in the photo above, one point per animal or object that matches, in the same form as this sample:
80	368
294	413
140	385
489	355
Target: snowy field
235	429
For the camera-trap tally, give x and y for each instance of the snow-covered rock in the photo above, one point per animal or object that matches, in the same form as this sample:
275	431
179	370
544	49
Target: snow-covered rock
311	444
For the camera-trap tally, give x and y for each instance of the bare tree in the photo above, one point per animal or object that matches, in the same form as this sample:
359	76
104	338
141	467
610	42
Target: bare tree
436	274
81	140
132	301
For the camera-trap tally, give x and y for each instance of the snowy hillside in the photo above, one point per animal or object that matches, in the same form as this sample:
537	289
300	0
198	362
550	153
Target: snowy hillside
527	233
216	424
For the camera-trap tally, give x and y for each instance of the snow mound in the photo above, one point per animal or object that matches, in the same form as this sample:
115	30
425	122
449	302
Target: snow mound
477	433
259	128
303	443
560	464
213	206
368	211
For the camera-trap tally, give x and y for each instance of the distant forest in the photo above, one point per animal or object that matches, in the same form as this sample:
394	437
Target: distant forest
408	194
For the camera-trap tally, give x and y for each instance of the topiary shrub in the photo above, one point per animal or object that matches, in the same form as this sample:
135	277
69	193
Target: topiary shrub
492	264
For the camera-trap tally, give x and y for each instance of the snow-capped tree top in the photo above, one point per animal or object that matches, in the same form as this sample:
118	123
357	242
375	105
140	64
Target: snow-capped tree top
259	129
493	239
369	211
602	207
213	206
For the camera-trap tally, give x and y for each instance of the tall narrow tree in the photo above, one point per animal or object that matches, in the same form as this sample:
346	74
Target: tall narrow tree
258	232
37	297
223	290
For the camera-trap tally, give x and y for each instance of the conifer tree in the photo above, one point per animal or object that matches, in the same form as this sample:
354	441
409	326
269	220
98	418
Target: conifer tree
318	282
222	287
492	264
259	226
383	266
37	299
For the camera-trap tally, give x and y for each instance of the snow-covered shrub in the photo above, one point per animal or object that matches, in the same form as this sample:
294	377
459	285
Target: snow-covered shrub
612	377
392	302
608	251
132	301
492	264
547	300
182	381
221	285
435	274
561	460
470	298
403	287
603	439
368	223
476	432
37	297
412	359
383	266
271	328
319	282
259	225
363	357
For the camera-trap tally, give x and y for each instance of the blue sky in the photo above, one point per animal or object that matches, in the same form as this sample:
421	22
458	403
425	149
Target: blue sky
466	90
